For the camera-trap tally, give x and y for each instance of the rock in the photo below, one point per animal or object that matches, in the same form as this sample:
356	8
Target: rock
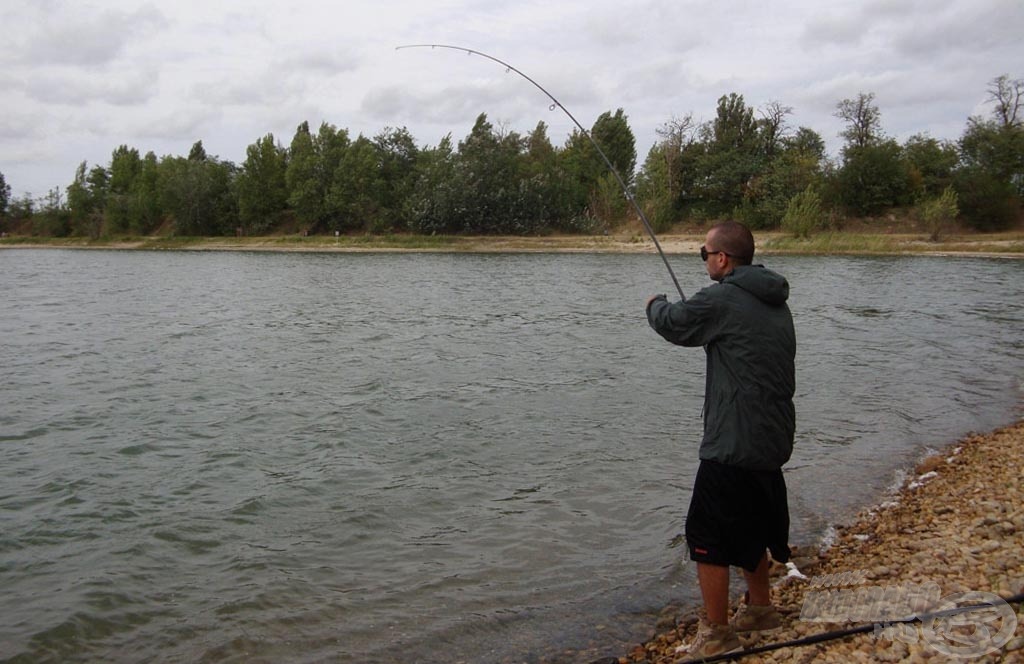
929	465
964	534
879	572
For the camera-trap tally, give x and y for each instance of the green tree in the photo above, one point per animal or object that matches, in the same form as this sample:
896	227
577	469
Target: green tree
783	165
616	139
145	193
125	165
397	153
199	193
485	174
986	202
931	163
582	167
540	153
990	183
80	200
54	218
198	152
995	149
22	208
795	167
121	208
433	198
545	192
808	142
607	200
262	193
5	195
355	194
665	181
312	162
733	154
487	186
874	177
587	185
86	200
618	143
302	178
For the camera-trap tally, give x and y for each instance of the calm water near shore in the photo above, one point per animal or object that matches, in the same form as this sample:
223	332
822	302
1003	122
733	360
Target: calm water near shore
344	457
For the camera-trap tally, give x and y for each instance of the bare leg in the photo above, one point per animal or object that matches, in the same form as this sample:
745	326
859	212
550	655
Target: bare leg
714	588
758	591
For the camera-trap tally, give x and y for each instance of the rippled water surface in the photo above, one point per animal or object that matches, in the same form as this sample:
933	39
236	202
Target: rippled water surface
293	457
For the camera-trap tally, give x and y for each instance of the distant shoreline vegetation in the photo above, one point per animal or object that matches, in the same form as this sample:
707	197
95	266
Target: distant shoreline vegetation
747	164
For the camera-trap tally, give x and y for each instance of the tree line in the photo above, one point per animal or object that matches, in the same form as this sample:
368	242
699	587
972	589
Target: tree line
745	163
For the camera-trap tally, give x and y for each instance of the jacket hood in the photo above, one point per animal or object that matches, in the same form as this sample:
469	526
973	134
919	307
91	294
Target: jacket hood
767	286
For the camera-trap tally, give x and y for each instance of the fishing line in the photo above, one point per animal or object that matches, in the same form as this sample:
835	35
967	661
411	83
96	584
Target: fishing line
608	163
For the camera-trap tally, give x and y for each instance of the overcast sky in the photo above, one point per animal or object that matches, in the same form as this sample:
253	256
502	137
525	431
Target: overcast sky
78	79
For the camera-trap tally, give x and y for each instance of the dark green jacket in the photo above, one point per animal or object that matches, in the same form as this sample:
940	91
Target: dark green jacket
746	329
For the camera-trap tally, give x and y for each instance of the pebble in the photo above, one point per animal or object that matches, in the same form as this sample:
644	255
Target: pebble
963	531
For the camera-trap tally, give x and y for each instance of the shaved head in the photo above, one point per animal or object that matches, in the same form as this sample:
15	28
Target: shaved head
735	239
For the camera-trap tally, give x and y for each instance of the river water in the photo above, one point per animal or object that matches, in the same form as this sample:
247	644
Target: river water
424	457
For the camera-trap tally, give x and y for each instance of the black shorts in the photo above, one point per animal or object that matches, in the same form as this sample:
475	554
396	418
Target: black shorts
736	514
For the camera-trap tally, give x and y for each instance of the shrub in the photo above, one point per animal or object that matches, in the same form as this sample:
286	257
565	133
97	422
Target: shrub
939	212
803	214
987	203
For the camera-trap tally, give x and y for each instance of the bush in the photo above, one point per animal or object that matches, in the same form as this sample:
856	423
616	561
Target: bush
938	212
662	213
986	203
803	214
51	223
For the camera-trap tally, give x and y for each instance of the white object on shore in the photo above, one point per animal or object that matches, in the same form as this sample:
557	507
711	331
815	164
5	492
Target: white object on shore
793	572
920	481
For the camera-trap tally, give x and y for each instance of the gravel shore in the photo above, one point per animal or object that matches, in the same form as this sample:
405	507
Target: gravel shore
955	526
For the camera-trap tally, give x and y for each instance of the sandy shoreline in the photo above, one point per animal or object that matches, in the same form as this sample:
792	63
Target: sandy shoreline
957	523
1009	245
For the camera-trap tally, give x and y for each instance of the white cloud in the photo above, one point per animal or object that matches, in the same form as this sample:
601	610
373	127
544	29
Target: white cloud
64	87
81	37
77	80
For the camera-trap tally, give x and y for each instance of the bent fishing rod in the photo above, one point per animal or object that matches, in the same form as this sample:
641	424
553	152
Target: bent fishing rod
558	104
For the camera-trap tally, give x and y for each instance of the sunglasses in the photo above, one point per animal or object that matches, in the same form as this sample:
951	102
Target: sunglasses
704	253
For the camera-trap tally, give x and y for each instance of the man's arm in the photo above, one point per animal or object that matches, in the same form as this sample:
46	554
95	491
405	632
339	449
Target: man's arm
684	323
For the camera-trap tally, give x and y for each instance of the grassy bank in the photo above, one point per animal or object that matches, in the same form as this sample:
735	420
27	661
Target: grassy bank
1010	243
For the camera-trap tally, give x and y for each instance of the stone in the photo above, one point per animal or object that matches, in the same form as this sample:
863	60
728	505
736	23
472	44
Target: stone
964	532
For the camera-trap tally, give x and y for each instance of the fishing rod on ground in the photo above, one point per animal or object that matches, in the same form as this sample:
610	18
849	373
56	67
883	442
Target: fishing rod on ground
608	163
835	634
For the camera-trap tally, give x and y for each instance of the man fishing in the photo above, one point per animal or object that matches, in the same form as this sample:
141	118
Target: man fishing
738	511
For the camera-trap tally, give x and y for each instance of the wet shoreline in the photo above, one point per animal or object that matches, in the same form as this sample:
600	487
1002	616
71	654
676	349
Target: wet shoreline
956	523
